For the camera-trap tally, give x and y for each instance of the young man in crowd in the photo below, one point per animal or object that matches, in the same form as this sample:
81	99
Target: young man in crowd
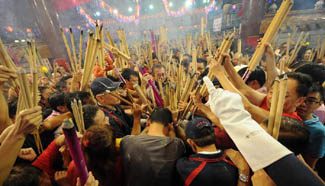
200	66
103	90
315	148
257	78
153	154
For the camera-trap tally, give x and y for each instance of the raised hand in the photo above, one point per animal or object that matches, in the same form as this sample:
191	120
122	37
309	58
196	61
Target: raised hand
6	74
28	120
27	154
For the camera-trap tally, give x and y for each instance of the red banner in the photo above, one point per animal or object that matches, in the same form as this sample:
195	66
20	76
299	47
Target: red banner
61	5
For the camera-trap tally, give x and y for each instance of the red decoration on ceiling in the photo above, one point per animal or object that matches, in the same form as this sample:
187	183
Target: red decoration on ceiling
61	5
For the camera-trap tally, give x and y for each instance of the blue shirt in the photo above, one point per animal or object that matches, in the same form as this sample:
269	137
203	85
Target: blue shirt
316	141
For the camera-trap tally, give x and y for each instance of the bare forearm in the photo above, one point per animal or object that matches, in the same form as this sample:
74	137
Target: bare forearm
9	151
253	96
56	121
136	129
4	116
272	73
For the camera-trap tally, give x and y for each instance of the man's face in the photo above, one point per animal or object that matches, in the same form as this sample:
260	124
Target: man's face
107	99
199	67
100	118
312	102
133	80
307	55
68	86
159	73
292	101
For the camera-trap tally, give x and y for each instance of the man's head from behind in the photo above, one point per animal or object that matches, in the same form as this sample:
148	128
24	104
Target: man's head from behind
200	133
298	85
162	116
256	79
57	102
94	116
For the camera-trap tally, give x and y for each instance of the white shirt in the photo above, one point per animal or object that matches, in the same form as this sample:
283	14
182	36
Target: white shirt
257	147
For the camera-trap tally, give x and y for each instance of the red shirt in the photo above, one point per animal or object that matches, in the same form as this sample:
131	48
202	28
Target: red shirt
293	115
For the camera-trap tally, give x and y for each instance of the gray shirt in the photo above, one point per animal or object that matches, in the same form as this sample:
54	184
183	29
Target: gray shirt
150	160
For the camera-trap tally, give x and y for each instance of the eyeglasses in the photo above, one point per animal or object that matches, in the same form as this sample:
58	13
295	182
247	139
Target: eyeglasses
311	101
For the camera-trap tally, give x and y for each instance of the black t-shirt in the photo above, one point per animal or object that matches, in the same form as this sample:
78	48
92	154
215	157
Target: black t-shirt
150	160
119	120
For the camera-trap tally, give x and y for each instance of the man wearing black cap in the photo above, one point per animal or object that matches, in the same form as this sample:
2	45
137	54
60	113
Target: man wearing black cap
209	166
103	88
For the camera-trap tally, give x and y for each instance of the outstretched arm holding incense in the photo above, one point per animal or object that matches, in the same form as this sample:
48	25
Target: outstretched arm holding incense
5	75
55	121
252	95
271	71
218	70
202	108
26	122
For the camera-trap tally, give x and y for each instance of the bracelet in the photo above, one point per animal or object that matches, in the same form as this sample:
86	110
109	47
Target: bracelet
243	178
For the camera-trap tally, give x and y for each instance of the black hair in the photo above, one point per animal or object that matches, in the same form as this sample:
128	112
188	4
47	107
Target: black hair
200	60
62	83
127	73
304	82
161	115
317	88
26	175
57	99
317	72
41	89
258	74
157	66
12	107
112	78
89	113
208	139
78	95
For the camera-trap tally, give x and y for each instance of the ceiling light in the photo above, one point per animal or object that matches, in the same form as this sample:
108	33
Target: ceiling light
97	14
115	11
151	6
23	40
130	9
170	4
16	41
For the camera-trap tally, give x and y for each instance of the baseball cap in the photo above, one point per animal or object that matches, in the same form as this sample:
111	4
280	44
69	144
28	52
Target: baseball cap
194	128
100	85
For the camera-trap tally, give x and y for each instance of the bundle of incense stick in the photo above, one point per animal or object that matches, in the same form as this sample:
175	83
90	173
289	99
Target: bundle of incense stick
269	35
142	96
75	150
30	98
302	39
78	115
112	48
224	48
279	93
321	51
188	43
6	61
89	61
68	50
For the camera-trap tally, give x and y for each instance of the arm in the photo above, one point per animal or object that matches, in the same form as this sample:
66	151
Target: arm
252	95
241	164
136	129
55	121
26	122
257	113
271	71
5	75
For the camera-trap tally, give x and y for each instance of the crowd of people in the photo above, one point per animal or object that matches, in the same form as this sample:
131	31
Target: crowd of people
223	141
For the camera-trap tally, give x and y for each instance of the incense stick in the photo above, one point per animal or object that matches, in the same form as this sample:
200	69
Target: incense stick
279	109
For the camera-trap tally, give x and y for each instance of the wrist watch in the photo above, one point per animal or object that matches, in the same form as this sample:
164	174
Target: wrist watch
243	178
